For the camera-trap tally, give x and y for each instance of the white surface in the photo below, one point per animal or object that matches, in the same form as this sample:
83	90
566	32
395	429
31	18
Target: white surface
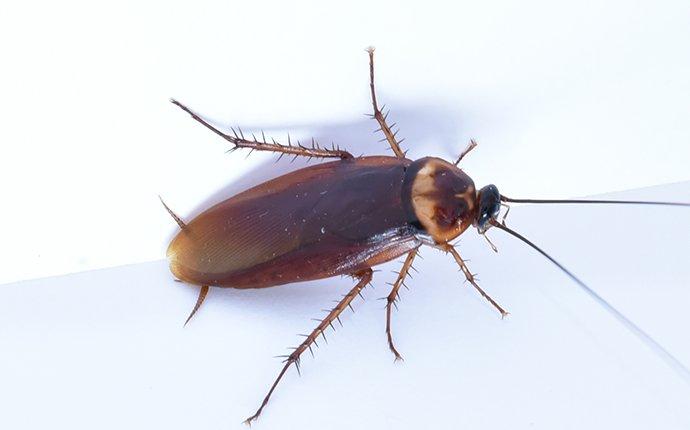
105	349
565	98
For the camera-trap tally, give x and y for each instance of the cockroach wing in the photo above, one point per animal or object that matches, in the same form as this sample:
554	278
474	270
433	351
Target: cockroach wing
328	219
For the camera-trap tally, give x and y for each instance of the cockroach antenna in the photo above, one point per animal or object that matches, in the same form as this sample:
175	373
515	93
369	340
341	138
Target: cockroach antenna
579	201
655	346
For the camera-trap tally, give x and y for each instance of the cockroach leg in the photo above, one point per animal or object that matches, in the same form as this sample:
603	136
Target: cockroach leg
379	116
470	147
202	295
177	219
239	141
505	215
491	244
470	277
393	296
294	358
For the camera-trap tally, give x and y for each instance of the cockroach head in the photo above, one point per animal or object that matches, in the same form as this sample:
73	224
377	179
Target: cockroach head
488	207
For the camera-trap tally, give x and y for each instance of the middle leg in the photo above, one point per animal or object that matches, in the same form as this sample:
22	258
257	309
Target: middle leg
393	297
379	116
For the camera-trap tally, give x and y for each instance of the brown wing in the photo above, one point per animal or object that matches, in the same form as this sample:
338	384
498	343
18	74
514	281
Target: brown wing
320	221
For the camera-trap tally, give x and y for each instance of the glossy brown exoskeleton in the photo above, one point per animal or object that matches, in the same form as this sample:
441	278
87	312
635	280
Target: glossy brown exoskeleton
336	218
342	218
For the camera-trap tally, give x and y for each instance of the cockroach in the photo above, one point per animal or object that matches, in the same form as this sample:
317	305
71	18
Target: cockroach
344	217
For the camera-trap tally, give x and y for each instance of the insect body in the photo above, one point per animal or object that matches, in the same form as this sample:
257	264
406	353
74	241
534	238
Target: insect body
342	218
335	218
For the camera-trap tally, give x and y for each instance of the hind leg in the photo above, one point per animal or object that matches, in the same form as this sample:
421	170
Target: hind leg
240	141
294	358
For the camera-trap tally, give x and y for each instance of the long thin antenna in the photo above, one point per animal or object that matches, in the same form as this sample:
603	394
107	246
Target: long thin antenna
578	201
672	361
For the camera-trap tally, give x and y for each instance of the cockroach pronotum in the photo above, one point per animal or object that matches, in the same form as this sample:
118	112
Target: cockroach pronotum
343	218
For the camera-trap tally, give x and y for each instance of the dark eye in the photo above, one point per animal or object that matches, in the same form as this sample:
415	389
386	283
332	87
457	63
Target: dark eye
489	206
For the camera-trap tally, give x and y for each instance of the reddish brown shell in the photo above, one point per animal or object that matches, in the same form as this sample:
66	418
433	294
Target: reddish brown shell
329	219
442	197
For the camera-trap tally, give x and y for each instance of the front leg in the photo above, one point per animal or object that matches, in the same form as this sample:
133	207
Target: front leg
239	141
470	147
470	277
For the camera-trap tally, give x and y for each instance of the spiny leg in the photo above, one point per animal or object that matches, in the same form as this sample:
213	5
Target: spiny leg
294	357
393	296
380	117
505	215
312	151
491	244
470	146
470	277
199	300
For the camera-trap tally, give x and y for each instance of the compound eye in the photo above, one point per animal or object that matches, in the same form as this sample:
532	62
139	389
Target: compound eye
483	222
489	206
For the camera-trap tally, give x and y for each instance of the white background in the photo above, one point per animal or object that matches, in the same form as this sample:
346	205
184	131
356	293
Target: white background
565	99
